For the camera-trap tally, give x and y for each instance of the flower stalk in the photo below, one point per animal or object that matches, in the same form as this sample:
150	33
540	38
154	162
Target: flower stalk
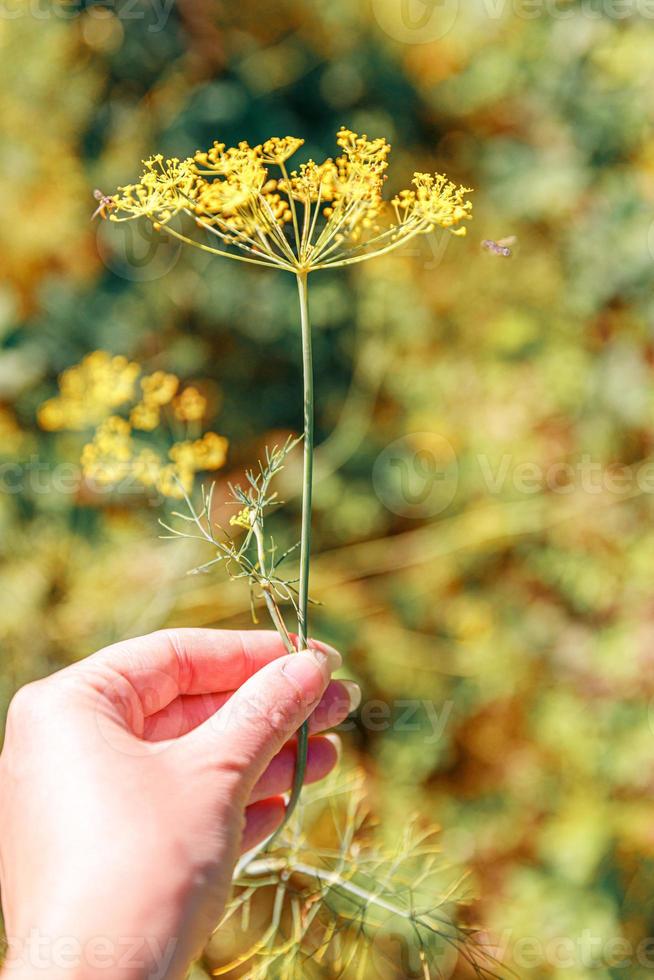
320	216
305	537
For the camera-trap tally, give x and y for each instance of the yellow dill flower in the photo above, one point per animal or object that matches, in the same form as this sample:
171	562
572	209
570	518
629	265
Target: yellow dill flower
238	177
89	390
173	481
165	188
243	162
244	518
146	467
207	453
145	416
435	200
159	388
320	216
107	458
312	182
89	394
278	149
211	451
190	405
183	454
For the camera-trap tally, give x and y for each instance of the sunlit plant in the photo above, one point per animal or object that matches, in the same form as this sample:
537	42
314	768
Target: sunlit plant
244	203
319	216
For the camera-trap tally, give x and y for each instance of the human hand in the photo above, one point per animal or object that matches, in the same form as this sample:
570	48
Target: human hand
131	781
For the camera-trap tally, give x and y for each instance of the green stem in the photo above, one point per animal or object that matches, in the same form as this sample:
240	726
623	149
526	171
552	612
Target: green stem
305	539
305	558
307	481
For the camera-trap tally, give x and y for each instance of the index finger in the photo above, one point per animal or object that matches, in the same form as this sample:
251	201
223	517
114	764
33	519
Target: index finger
175	662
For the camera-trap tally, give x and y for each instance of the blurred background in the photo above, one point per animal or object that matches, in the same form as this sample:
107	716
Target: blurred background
484	514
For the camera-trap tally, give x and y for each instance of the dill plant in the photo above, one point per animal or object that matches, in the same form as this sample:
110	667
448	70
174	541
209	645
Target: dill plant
245	203
319	216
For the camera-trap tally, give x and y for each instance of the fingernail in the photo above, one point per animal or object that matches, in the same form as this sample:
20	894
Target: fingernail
326	655
353	693
336	742
300	667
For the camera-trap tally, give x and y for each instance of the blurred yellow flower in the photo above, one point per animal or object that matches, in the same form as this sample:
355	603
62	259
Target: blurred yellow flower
190	405
89	391
174	481
145	416
207	453
107	458
159	388
146	467
89	394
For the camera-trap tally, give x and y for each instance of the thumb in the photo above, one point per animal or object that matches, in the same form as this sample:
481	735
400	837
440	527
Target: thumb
246	734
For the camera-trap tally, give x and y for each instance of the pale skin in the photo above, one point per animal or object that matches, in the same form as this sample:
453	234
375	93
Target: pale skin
131	782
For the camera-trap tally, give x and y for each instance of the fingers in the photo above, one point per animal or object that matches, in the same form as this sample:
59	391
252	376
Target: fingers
323	755
339	700
162	666
243	737
188	711
261	820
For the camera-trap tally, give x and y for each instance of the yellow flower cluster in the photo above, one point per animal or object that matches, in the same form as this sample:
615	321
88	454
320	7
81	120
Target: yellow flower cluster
90	393
107	458
165	187
190	405
112	457
242	519
435	200
319	215
189	458
158	390
207	453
